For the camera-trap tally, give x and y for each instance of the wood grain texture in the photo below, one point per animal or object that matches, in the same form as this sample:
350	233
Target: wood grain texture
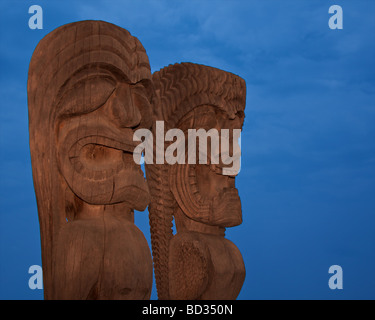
197	262
89	88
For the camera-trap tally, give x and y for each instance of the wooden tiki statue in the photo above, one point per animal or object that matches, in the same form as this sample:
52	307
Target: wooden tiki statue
198	262
89	88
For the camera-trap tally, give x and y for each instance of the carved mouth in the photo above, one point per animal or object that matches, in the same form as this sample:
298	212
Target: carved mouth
100	158
98	150
96	160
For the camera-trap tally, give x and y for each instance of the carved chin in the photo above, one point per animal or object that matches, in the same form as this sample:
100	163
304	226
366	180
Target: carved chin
220	209
226	208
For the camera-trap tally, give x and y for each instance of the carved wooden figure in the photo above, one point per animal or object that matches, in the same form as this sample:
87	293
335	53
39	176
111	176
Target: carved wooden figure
198	262
89	88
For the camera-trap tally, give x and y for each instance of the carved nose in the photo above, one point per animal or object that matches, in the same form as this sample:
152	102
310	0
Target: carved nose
123	109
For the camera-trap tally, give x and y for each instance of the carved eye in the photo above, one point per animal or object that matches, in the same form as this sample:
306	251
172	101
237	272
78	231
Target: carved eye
87	95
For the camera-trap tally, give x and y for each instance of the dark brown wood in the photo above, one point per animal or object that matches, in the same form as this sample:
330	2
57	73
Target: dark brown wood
89	88
197	262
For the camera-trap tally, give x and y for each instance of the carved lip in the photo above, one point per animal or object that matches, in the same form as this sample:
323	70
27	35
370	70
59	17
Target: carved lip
100	133
110	166
226	208
121	139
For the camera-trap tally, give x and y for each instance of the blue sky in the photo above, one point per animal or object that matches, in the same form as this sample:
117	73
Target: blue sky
307	181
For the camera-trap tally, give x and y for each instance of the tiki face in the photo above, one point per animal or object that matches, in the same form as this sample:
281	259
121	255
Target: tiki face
89	89
209	195
95	136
